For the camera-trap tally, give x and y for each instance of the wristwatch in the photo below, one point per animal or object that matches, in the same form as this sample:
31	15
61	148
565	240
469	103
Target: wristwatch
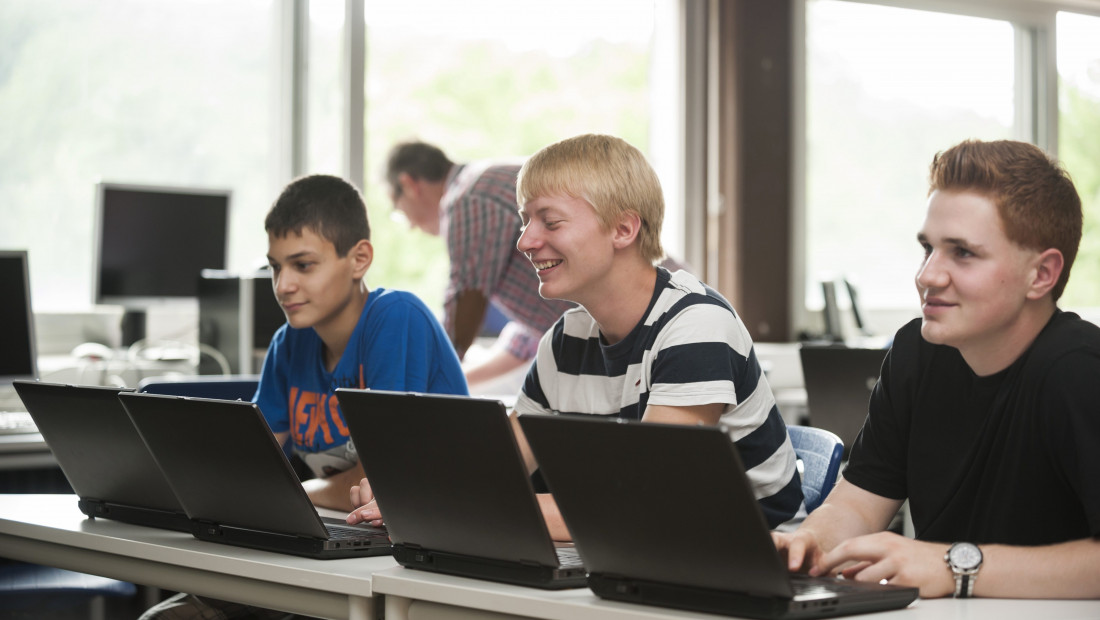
964	559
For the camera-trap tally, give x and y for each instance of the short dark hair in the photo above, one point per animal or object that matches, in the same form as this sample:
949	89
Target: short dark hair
328	205
420	160
1034	195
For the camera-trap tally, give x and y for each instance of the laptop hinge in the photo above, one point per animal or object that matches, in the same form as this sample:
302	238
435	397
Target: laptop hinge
208	527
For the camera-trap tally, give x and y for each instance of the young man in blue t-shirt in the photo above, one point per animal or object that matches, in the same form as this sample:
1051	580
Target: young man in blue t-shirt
338	334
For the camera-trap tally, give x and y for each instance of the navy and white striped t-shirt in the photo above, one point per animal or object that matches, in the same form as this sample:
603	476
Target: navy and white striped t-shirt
691	349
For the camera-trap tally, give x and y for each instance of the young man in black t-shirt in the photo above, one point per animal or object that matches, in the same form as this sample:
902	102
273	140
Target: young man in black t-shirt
985	416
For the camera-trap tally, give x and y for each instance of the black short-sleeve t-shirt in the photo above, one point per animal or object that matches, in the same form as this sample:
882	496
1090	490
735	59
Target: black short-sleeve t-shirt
1011	458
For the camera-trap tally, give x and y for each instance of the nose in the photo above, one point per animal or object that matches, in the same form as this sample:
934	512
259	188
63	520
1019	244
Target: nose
528	239
932	273
283	282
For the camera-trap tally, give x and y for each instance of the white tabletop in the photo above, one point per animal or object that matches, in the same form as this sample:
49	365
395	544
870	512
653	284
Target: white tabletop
50	529
411	593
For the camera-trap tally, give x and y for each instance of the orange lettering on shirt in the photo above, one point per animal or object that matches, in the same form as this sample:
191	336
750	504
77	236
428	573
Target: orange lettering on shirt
337	417
304	415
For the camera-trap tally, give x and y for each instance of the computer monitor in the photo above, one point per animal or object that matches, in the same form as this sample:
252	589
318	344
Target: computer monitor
18	359
238	315
152	243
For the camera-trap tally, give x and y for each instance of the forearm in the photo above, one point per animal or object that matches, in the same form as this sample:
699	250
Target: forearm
554	523
470	307
499	362
1066	570
847	512
333	492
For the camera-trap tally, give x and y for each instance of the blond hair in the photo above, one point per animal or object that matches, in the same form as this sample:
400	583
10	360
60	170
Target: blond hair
606	172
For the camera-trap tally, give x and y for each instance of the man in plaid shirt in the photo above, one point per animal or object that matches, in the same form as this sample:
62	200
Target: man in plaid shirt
473	207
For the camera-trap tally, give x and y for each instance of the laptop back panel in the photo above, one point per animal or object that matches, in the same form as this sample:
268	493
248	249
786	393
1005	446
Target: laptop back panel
231	475
452	486
608	476
101	454
838	384
614	475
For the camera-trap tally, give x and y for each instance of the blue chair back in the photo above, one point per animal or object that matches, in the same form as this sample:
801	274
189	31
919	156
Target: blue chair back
821	453
225	387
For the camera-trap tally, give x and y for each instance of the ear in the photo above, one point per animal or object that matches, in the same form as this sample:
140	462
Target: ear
626	230
408	184
361	255
1047	267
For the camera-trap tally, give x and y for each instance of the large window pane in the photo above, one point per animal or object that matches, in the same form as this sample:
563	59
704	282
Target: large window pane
887	88
488	79
1079	145
163	93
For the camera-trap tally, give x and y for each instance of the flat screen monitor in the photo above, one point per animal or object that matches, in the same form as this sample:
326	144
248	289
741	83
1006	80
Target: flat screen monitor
17	353
152	243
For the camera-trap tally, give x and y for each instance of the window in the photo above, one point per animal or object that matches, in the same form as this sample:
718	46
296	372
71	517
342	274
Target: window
888	87
483	79
1078	147
130	91
192	93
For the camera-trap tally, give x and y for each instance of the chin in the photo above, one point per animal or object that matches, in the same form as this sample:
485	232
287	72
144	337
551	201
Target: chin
933	332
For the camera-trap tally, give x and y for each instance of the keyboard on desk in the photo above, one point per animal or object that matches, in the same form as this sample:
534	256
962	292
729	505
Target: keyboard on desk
16	422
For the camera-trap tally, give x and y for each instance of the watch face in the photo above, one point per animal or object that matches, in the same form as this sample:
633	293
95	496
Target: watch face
965	556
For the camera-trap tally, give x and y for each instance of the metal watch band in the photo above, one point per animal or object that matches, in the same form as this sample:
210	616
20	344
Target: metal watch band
964	585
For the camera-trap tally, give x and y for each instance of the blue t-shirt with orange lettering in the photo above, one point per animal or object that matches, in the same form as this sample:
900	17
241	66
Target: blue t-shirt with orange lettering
397	345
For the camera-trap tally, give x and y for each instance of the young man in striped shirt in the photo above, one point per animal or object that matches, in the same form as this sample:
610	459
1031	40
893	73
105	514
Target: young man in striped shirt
644	343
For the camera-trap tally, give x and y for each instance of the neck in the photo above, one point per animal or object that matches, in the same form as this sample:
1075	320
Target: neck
989	358
336	332
622	302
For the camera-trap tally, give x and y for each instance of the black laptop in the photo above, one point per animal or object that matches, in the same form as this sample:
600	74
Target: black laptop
102	455
838	384
619	483
235	482
453	489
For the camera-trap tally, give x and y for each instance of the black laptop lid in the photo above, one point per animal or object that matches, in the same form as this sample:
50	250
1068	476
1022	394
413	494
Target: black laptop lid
223	463
96	445
839	382
448	474
632	495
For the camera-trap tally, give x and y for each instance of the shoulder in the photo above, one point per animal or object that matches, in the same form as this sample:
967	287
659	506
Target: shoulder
483	179
1066	332
690	311
384	302
1068	346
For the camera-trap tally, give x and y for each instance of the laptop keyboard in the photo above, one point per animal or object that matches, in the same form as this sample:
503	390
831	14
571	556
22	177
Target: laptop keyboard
16	422
335	532
804	585
569	558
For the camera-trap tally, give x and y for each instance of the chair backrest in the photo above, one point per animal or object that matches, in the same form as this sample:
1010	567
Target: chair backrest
821	453
226	387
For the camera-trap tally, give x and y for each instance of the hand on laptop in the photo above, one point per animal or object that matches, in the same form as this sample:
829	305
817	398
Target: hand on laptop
880	557
889	557
800	547
367	512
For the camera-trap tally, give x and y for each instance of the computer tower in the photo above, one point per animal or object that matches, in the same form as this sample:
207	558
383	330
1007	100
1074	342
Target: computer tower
237	317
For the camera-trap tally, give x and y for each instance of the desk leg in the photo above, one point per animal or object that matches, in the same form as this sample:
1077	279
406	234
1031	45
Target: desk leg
360	608
397	607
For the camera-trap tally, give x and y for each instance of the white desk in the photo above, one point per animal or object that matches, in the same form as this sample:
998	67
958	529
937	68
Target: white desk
419	595
50	529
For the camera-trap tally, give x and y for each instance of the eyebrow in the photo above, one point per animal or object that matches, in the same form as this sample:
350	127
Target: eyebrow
956	241
292	257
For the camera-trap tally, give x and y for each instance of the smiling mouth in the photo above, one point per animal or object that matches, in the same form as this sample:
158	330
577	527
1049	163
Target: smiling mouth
543	265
